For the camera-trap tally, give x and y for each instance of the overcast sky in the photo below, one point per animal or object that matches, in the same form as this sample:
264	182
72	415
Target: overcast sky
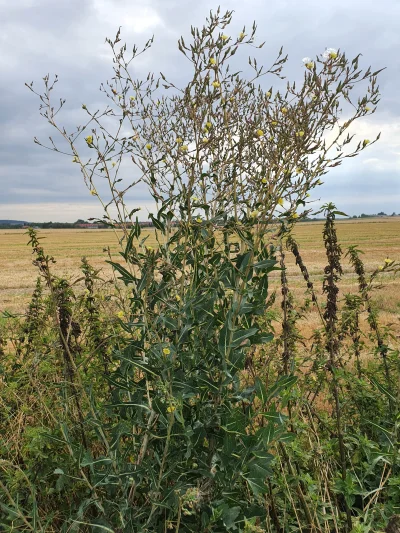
67	37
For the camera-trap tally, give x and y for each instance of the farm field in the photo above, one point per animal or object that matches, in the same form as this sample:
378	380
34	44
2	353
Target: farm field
378	238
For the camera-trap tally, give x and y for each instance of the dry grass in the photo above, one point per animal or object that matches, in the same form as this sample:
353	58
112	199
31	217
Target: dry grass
378	238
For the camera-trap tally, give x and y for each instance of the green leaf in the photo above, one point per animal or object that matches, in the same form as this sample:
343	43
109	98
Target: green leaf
266	264
240	336
229	516
261	391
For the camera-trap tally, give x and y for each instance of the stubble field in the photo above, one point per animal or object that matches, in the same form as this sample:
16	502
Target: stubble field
378	238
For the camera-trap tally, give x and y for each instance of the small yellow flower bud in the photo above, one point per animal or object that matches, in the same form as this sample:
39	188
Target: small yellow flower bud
380	267
268	94
166	351
213	61
242	35
264	180
205	140
177	298
280	201
199	220
171	408
113	164
89	139
367	108
366	141
225	37
295	215
131	98
274	123
179	140
148	146
208	125
254	213
216	84
284	110
75	160
388	261
260	133
298	170
271	139
183	148
120	314
93	192
300	134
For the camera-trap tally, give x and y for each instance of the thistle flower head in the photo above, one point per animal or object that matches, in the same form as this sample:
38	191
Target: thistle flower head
330	53
308	62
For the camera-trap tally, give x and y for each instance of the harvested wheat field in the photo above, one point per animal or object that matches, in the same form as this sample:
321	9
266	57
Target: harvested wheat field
378	238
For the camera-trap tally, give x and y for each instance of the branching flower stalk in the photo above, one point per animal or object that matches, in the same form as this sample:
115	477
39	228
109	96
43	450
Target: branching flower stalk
333	273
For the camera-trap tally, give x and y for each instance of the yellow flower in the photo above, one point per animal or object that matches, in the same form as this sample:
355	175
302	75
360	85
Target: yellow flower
307	195
298	170
380	267
260	133
171	408
113	164
367	108
208	125
300	134
131	98
120	314
195	198
177	298
166	351
89	139
388	261
295	215
280	201
242	35
271	139
199	220
205	140
366	141
93	192
284	110
268	94
213	61
254	213
179	140
225	37
216	84
264	180
183	148
319	182
75	160
148	146
274	123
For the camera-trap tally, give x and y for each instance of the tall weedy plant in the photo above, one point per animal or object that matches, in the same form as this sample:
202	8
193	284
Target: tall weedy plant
184	443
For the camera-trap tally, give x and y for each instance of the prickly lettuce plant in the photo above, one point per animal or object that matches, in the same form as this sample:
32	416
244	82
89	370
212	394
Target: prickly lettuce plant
183	438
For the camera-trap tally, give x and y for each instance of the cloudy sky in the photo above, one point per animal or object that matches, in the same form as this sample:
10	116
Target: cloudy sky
67	37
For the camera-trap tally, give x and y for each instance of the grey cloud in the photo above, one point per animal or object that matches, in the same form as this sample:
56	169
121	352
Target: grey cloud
67	37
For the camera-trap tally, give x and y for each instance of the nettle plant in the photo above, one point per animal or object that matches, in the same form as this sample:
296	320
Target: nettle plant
185	443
